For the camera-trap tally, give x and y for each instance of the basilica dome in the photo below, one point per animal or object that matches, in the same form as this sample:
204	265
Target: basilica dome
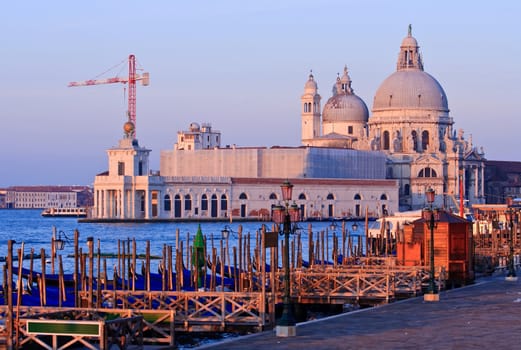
345	106
410	87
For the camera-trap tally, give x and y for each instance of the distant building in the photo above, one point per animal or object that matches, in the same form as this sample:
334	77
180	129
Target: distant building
503	179
2	198
40	197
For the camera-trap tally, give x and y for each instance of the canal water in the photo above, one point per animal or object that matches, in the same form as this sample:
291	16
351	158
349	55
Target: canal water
27	226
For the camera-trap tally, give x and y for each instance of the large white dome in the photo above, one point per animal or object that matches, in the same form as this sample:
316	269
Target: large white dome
410	89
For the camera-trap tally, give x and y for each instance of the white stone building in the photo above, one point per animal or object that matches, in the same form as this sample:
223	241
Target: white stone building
231	182
41	197
349	162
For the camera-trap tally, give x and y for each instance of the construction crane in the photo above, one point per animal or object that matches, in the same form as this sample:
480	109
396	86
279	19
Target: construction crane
131	80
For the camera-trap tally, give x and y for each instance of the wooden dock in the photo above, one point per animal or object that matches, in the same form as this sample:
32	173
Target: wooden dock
335	272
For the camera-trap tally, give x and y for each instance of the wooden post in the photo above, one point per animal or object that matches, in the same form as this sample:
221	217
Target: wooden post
98	285
133	267
76	268
53	248
170	271
9	290
90	245
262	310
61	283
44	280
147	263
368	246
120	272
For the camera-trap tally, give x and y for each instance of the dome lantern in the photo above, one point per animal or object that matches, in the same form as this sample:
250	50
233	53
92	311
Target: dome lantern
410	87
409	57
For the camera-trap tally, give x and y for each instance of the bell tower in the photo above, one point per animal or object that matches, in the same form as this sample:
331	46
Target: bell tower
310	102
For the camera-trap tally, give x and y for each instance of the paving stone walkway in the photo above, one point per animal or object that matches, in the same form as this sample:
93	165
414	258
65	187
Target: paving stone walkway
485	315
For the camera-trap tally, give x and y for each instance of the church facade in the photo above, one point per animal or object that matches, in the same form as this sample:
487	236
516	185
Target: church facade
349	163
410	124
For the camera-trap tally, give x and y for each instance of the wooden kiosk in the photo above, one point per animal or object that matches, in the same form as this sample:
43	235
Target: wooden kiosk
453	247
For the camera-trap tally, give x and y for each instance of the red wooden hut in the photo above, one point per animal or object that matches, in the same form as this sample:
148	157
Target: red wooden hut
453	246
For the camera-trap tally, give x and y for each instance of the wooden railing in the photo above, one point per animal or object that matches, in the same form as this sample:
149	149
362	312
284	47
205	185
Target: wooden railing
211	311
78	327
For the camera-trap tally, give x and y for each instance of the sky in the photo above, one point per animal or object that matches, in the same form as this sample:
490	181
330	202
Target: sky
240	66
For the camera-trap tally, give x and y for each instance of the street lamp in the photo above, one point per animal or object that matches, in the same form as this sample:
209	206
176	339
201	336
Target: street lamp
509	214
285	215
226	232
59	243
429	216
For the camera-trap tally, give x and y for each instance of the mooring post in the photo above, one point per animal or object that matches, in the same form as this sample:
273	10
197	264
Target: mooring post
9	320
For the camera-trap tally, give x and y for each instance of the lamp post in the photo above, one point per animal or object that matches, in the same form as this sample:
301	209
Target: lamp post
429	216
509	214
59	243
285	215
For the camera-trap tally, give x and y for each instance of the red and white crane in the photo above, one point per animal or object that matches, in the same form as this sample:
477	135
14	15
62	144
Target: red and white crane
131	80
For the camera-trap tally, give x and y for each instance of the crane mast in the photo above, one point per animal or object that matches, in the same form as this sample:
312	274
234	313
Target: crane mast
131	80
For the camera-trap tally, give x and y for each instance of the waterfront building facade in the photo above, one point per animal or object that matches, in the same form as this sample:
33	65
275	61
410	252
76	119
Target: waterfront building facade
41	197
349	162
232	182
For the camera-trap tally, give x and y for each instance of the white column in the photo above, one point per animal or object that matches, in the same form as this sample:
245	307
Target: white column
159	204
147	204
105	204
123	203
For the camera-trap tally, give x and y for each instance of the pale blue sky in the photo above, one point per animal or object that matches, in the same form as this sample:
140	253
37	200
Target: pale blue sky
239	65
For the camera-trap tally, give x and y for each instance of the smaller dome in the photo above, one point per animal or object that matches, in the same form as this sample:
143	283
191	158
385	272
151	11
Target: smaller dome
194	127
311	84
345	108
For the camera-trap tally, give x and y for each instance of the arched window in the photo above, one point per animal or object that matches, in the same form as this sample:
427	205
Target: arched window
383	197
330	196
305	107
167	203
427	172
302	196
357	197
425	140
273	196
177	206
385	140
188	202
414	137
224	202
243	196
204	202
213	206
